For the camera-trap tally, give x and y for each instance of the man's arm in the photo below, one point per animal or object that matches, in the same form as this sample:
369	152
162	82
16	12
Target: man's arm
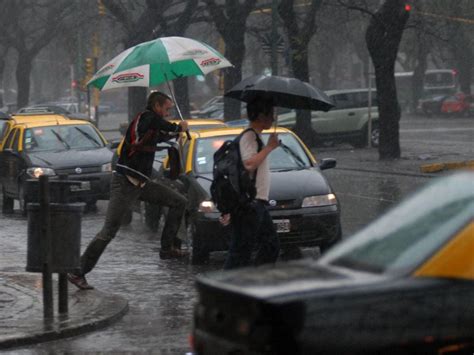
251	164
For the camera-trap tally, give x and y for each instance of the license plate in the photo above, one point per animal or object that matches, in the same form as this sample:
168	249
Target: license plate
282	225
84	186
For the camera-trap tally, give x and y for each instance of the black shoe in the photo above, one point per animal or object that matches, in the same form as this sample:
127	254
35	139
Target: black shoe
79	281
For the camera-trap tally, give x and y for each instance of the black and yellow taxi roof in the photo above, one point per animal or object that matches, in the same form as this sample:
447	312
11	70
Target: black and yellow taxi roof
26	121
234	131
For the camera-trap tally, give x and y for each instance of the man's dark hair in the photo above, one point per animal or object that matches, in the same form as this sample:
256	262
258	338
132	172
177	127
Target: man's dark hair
258	105
156	97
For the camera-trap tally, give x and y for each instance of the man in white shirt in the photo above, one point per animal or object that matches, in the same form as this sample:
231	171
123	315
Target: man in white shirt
253	227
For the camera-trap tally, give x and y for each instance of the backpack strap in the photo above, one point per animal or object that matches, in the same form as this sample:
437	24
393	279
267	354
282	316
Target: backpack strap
257	138
259	147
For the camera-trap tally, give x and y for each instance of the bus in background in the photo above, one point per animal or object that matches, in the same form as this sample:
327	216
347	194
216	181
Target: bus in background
436	83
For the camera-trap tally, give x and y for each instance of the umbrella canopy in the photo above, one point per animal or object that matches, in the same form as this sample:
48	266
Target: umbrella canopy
285	92
155	62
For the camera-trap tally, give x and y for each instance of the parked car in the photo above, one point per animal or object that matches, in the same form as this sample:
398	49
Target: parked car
431	104
58	147
303	205
346	122
404	284
459	104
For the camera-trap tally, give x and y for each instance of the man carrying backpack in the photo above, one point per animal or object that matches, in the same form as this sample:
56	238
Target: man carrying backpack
252	225
131	181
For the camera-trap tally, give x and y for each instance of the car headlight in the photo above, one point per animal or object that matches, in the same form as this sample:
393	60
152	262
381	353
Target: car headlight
321	200
36	172
107	167
207	206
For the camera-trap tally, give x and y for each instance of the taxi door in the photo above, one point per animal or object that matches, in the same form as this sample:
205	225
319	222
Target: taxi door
11	162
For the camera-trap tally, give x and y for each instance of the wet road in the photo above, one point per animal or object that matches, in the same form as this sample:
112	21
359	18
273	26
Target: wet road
160	292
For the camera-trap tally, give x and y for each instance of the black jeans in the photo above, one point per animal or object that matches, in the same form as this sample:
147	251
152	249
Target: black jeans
122	195
252	228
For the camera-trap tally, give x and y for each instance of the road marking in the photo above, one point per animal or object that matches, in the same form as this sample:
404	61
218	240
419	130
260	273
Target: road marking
437	130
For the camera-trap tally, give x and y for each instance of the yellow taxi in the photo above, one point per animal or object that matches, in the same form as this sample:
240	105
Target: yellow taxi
303	205
402	285
35	145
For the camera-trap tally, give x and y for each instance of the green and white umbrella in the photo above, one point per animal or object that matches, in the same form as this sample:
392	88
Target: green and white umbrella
152	63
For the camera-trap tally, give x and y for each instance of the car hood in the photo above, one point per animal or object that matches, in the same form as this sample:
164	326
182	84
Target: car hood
287	281
287	185
71	158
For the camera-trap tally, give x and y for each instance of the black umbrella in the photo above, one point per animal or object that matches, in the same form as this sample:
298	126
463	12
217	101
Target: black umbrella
285	92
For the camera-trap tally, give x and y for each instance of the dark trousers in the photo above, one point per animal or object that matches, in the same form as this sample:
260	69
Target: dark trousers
252	228
122	195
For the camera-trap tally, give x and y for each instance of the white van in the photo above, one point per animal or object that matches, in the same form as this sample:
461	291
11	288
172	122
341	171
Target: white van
347	121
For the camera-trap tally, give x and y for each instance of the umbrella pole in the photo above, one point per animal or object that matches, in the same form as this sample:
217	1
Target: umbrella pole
173	97
176	104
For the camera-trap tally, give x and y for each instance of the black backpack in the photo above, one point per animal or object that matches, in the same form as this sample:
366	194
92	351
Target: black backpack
232	187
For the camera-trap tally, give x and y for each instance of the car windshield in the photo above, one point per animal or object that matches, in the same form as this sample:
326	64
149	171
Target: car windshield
406	236
289	156
62	137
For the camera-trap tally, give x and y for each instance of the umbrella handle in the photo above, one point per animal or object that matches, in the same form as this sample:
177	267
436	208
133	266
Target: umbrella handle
177	106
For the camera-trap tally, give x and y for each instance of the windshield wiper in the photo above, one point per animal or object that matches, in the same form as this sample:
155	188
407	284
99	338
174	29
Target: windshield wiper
88	136
290	151
61	139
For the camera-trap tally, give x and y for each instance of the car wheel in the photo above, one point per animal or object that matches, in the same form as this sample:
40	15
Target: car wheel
200	254
361	140
7	203
325	246
375	136
153	214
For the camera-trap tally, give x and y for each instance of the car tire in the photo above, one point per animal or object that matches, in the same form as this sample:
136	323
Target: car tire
361	140
153	214
7	203
325	246
200	252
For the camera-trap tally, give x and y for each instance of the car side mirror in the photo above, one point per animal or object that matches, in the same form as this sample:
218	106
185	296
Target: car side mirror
327	163
113	144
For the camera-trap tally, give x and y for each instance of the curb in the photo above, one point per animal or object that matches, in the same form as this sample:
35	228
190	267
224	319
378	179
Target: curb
437	167
88	311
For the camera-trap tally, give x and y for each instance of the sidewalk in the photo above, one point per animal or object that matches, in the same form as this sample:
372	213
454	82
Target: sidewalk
414	162
21	311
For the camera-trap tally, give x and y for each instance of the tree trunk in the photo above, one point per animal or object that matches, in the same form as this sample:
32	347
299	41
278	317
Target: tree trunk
300	68
383	39
234	52
23	72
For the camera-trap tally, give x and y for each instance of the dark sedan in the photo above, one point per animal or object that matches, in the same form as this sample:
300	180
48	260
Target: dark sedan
56	147
404	284
303	206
